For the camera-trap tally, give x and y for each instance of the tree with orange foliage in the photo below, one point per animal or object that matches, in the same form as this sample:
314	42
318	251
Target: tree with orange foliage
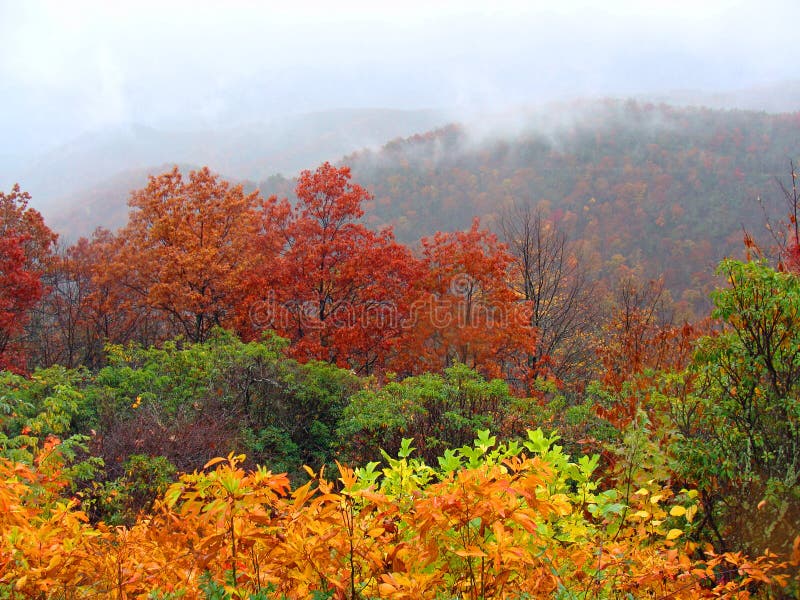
86	308
112	312
465	311
491	522
638	314
16	217
184	251
640	341
336	289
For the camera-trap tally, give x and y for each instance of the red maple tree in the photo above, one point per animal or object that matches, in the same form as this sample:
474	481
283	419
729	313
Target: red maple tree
25	252
465	310
336	289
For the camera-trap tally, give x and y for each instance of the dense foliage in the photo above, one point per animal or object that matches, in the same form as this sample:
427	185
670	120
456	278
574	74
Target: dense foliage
84	452
517	520
432	381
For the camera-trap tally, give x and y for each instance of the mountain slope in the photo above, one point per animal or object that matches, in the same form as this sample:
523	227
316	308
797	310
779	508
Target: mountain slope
656	189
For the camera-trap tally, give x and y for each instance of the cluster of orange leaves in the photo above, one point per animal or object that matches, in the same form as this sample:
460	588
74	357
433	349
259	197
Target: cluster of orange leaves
482	532
199	253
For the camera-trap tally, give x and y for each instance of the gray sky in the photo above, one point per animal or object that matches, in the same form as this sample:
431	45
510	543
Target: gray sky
73	66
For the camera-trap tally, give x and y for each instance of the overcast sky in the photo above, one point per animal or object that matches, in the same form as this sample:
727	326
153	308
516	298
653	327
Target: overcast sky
67	67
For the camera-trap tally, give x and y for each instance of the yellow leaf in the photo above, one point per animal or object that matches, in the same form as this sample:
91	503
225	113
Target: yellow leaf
677	511
561	504
642	514
213	461
674	533
642	492
470	552
690	513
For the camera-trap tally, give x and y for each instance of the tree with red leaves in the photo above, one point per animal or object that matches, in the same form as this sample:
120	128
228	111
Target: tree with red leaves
17	218
25	252
184	252
337	290
20	290
465	311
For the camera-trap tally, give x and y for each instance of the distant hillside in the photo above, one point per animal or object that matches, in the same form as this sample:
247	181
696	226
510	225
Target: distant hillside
67	179
661	189
654	187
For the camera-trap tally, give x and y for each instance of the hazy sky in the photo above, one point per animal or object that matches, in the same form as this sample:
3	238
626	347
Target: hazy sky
69	66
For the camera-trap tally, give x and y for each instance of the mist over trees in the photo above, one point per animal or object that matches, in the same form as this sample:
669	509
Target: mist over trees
518	344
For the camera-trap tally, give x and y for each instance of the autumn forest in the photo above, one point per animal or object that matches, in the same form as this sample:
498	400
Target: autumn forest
558	363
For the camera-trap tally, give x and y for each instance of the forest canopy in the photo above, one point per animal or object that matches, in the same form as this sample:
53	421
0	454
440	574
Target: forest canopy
239	396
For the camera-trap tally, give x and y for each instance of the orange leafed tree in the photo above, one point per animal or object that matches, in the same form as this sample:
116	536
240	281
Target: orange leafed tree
336	289
489	531
184	251
16	217
465	311
102	310
640	339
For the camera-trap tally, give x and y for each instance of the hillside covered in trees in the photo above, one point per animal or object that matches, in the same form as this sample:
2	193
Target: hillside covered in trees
520	391
662	189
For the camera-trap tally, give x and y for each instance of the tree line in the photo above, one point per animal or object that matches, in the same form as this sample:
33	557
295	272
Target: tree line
218	322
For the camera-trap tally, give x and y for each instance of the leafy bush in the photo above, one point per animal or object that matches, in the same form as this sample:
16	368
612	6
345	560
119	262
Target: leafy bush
190	402
739	423
438	412
122	500
492	521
